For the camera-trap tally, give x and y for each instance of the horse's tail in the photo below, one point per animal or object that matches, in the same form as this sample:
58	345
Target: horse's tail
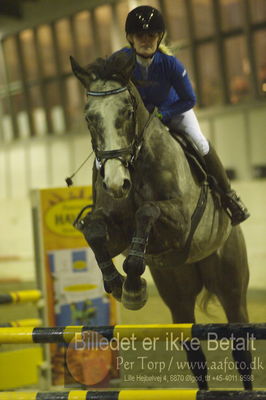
204	301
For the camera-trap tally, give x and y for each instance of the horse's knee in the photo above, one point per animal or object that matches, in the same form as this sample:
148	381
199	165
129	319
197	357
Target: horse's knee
94	231
134	266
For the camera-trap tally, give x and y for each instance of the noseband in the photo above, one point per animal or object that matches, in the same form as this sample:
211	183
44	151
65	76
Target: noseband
134	148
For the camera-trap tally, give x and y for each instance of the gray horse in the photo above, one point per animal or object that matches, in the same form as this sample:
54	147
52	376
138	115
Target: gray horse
146	202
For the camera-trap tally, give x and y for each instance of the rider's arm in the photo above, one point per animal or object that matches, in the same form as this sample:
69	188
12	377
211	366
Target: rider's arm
186	98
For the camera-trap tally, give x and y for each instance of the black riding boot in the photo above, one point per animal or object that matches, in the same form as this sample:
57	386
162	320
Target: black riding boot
230	200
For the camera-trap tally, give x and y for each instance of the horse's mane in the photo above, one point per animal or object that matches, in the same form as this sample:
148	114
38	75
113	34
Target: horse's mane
118	67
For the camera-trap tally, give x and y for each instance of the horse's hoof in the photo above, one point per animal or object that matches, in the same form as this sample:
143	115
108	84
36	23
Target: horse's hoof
135	300
114	287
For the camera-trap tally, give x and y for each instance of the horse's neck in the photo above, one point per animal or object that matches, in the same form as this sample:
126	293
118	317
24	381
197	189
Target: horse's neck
142	112
157	132
143	119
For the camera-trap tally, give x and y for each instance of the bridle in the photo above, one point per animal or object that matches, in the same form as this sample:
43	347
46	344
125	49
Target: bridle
126	155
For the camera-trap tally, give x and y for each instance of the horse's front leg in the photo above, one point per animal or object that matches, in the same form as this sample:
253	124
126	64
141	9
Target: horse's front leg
134	294
94	229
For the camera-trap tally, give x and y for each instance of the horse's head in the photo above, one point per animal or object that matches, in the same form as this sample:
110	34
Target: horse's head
110	112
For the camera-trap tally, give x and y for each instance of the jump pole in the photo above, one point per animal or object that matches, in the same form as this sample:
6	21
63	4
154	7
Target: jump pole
22	296
159	394
35	322
184	332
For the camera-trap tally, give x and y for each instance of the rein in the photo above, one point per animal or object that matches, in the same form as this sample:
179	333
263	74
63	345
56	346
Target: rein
134	148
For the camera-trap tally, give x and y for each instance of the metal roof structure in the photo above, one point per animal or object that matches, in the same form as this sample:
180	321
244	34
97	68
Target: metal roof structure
16	15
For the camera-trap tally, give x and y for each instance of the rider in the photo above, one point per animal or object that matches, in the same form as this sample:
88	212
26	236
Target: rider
171	92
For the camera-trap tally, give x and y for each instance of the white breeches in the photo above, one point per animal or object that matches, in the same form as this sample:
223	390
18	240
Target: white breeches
190	125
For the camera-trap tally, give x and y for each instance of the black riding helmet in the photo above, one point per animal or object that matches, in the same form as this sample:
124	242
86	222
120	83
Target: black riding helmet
144	19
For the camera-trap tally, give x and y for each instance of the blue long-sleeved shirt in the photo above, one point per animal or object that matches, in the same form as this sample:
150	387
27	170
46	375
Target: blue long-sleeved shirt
170	90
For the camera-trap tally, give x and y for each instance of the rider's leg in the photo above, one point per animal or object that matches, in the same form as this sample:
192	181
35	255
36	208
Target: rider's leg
231	201
189	125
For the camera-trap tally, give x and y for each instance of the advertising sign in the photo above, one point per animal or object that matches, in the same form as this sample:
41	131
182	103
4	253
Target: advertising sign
68	274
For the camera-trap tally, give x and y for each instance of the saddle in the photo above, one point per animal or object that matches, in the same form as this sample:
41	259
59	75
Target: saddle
196	161
194	158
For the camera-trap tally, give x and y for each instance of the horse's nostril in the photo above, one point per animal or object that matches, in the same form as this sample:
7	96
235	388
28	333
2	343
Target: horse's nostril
126	185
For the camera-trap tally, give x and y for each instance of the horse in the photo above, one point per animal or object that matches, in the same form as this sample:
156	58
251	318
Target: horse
146	201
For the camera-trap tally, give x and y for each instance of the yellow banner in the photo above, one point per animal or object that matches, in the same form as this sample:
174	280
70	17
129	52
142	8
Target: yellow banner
60	207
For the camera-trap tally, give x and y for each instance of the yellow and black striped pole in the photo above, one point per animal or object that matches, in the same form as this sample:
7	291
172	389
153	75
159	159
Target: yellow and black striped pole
23	296
159	394
180	332
35	322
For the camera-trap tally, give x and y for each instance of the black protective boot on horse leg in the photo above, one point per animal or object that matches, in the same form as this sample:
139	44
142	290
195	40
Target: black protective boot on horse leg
94	228
134	294
230	200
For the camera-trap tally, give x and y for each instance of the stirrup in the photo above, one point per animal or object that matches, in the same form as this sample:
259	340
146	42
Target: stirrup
234	207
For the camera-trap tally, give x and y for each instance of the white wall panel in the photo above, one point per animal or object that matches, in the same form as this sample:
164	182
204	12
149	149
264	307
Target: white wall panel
40	121
58	120
230	142
18	171
257	126
80	151
254	229
23	124
3	175
59	160
16	240
38	163
7	128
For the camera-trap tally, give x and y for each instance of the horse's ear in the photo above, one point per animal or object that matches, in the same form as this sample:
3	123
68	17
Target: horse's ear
129	66
123	64
85	77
